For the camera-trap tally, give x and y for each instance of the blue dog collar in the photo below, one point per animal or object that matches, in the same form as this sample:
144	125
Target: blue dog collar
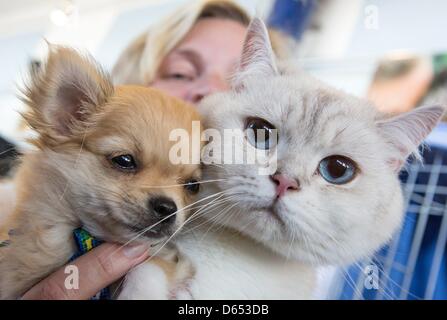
86	242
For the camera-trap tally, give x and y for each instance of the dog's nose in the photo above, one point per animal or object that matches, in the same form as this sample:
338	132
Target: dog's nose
284	183
164	208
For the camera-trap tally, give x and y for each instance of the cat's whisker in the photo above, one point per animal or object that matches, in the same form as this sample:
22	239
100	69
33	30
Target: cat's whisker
388	279
217	194
168	240
213	203
198	214
347	277
187	207
222	213
289	251
310	249
361	269
229	198
232	213
387	295
351	283
139	234
248	224
123	279
176	231
182	184
220	166
210	204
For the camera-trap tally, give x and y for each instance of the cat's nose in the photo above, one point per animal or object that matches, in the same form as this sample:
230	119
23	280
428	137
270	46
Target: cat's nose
164	208
284	183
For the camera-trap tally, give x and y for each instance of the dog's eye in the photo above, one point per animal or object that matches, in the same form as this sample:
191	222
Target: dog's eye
192	186
260	133
125	161
337	169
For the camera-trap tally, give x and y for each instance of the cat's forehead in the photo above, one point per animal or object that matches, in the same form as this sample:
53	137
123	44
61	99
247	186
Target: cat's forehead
290	98
310	114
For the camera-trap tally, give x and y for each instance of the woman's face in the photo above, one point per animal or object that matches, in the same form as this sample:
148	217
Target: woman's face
203	61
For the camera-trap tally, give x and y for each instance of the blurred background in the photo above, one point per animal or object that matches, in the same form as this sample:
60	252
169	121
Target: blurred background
340	41
390	51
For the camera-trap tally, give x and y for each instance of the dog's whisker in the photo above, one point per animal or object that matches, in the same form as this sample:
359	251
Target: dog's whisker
181	227
184	208
167	217
168	240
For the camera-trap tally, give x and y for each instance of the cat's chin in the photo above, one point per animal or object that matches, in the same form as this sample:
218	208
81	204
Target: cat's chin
271	226
267	221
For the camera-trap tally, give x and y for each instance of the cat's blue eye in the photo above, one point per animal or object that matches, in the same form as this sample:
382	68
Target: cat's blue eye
261	134
337	169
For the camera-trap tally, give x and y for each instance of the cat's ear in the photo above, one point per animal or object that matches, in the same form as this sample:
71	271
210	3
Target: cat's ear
258	59
407	131
64	91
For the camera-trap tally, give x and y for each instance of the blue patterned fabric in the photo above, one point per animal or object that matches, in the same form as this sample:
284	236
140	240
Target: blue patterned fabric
86	242
414	265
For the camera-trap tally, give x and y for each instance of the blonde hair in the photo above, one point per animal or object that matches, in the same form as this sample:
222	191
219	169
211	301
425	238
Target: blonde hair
139	62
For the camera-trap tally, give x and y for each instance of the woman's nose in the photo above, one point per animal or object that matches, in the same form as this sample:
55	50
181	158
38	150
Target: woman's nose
206	86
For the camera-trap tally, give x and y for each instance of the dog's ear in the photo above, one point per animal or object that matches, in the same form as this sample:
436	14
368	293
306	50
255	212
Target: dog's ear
64	92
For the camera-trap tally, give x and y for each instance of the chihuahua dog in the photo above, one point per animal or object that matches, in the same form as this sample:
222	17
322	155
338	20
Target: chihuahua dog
101	162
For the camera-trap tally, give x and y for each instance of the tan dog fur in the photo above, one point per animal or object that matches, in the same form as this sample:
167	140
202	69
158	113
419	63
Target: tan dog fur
82	121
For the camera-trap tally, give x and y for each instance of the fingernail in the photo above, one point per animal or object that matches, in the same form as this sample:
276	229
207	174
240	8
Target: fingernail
135	251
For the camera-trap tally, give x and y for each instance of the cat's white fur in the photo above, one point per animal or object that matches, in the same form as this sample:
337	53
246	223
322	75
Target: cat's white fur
226	266
246	245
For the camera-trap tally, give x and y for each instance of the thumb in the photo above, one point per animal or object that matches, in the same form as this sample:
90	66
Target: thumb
96	269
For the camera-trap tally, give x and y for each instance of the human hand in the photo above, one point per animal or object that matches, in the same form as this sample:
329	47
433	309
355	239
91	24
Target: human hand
97	269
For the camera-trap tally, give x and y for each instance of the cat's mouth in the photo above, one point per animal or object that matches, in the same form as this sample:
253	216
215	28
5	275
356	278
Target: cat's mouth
273	213
277	216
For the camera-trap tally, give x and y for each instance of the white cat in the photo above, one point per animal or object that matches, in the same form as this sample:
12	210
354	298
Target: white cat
334	199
